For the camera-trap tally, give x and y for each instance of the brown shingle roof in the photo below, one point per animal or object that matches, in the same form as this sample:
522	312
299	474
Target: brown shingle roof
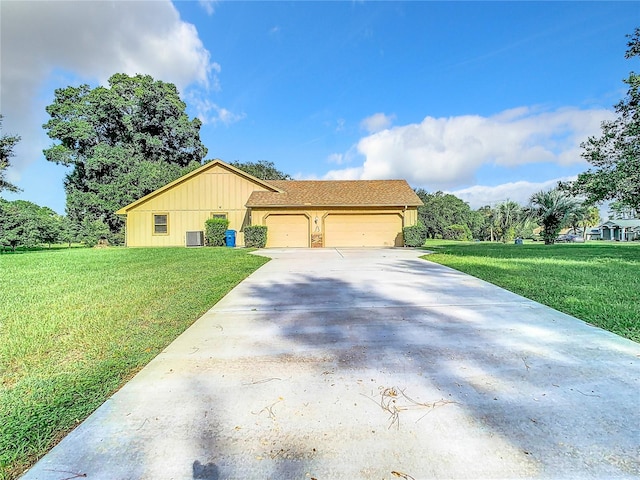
334	193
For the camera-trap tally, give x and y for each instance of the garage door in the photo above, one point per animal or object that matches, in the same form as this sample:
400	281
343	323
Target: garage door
373	230
287	231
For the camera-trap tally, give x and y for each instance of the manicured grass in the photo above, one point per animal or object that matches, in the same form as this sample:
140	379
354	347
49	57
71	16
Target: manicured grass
598	282
76	324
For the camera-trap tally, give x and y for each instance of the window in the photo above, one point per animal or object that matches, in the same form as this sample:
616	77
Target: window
160	224
218	215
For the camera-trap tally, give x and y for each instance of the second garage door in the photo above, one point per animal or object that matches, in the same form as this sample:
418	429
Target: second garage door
287	231
372	230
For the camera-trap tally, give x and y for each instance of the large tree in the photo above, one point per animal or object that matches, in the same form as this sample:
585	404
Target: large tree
26	224
262	169
123	141
441	211
622	211
615	154
7	142
552	209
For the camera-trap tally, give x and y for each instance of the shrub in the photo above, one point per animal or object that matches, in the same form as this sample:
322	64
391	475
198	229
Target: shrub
92	231
214	229
457	232
117	238
255	236
415	235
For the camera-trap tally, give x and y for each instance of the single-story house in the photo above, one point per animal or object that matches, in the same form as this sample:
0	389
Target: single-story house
594	234
297	213
621	230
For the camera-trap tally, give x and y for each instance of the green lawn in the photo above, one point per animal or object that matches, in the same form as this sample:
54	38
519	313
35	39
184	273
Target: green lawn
598	282
75	324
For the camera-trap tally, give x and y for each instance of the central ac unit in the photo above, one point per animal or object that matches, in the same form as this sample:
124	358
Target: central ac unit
195	239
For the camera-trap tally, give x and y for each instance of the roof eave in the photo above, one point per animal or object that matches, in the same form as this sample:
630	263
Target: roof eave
333	205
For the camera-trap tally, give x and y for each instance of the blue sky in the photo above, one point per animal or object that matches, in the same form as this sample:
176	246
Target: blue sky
487	100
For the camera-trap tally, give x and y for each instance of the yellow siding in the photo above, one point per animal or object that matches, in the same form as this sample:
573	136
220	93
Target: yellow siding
411	217
189	204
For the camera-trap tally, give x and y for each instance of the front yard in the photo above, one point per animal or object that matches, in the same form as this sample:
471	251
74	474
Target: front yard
598	282
76	324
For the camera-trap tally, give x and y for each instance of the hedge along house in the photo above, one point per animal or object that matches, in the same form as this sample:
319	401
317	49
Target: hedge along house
296	213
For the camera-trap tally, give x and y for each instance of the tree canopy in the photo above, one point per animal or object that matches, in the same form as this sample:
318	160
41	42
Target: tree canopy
262	169
615	154
440	211
123	141
7	142
26	224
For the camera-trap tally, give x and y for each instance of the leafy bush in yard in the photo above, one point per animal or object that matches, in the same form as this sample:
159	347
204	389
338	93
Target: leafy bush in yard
415	235
457	232
214	229
255	236
92	231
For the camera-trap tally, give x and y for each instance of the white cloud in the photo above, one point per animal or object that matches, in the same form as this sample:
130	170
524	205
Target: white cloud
211	113
336	158
444	153
377	122
342	158
344	174
481	195
208	6
91	41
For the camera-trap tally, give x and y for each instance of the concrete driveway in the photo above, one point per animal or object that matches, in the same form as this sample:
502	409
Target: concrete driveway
369	364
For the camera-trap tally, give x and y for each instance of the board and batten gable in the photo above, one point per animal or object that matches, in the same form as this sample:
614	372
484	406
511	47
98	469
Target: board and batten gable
216	188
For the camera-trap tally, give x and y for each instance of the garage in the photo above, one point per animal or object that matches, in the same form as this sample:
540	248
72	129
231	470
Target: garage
363	230
287	230
334	213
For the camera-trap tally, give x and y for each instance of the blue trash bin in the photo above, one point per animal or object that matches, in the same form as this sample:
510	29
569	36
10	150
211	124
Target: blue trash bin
230	238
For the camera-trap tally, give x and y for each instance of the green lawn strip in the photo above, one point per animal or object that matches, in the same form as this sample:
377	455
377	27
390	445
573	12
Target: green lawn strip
76	324
597	282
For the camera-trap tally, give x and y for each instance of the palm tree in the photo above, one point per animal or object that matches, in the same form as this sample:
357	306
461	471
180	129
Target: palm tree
506	216
551	209
585	216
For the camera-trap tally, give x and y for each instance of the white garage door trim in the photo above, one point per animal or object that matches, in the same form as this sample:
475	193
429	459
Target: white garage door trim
362	230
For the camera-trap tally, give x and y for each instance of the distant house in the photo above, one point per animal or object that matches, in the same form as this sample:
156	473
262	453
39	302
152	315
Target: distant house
620	230
594	234
348	213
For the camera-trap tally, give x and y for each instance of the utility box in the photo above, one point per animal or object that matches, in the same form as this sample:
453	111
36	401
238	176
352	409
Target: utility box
230	238
195	239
